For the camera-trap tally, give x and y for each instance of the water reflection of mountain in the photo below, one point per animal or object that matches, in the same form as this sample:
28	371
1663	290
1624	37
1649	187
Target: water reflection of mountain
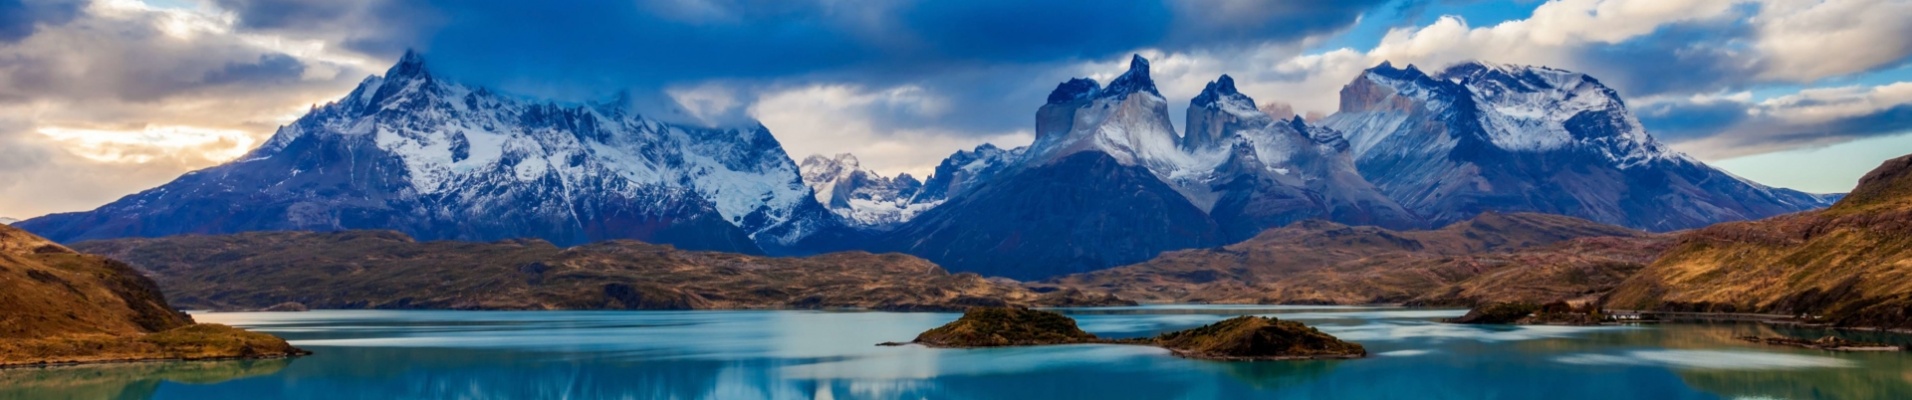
1880	377
125	381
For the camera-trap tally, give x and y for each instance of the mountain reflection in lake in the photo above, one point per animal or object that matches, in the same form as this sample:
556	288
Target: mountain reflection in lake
812	354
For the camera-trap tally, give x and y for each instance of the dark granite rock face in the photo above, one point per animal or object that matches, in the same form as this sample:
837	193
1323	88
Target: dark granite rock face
1084	213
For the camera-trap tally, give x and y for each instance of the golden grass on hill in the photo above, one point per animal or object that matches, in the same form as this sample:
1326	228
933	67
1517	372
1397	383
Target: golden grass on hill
1494	257
1850	264
61	306
388	270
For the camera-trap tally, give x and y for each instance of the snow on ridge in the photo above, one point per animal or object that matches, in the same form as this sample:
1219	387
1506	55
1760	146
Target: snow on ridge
862	196
1518	107
453	138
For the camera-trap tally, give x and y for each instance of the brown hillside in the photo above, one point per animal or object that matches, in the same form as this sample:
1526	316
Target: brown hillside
64	306
1851	263
382	269
1531	257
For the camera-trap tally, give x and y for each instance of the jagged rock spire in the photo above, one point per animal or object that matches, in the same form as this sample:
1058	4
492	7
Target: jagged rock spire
1217	90
1135	80
411	64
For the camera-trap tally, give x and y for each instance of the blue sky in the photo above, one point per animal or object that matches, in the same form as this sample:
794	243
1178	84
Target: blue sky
102	98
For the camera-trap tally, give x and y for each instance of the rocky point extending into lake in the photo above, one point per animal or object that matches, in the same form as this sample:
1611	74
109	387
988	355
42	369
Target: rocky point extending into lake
59	306
1244	338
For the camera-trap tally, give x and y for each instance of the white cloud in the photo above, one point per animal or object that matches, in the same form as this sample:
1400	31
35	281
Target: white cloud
126	96
1808	119
1551	36
1827	104
1810	40
829	119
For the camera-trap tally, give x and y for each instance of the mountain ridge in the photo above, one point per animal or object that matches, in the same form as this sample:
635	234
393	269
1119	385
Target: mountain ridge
408	150
1845	265
1479	136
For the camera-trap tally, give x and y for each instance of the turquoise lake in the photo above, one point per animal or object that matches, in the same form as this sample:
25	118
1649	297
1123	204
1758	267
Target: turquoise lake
832	355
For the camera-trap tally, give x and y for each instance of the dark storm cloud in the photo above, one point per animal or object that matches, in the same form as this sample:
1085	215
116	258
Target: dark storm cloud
1697	57
990	60
271	68
1206	23
1893	120
382	28
1676	121
1736	128
19	18
605	45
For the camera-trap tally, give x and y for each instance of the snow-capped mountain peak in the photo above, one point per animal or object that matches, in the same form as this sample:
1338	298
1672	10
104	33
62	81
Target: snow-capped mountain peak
441	159
864	197
1511	107
1128	120
1218	111
1531	139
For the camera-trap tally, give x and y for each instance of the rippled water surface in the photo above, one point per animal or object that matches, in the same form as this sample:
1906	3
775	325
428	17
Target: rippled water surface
810	354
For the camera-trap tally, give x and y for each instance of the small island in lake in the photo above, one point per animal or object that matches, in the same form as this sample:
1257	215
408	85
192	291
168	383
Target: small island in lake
1244	338
1252	338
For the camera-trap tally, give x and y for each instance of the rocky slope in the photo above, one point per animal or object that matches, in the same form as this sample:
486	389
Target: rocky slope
384	269
437	159
1478	137
1495	256
63	306
1850	264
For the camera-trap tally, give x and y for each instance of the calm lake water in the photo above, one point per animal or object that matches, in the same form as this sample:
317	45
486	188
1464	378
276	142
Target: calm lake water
831	355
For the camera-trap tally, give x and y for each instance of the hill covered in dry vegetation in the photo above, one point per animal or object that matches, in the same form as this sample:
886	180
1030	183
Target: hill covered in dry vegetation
63	306
388	270
1850	264
1493	257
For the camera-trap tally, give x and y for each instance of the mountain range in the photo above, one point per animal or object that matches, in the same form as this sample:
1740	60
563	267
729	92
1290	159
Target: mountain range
1107	181
437	159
